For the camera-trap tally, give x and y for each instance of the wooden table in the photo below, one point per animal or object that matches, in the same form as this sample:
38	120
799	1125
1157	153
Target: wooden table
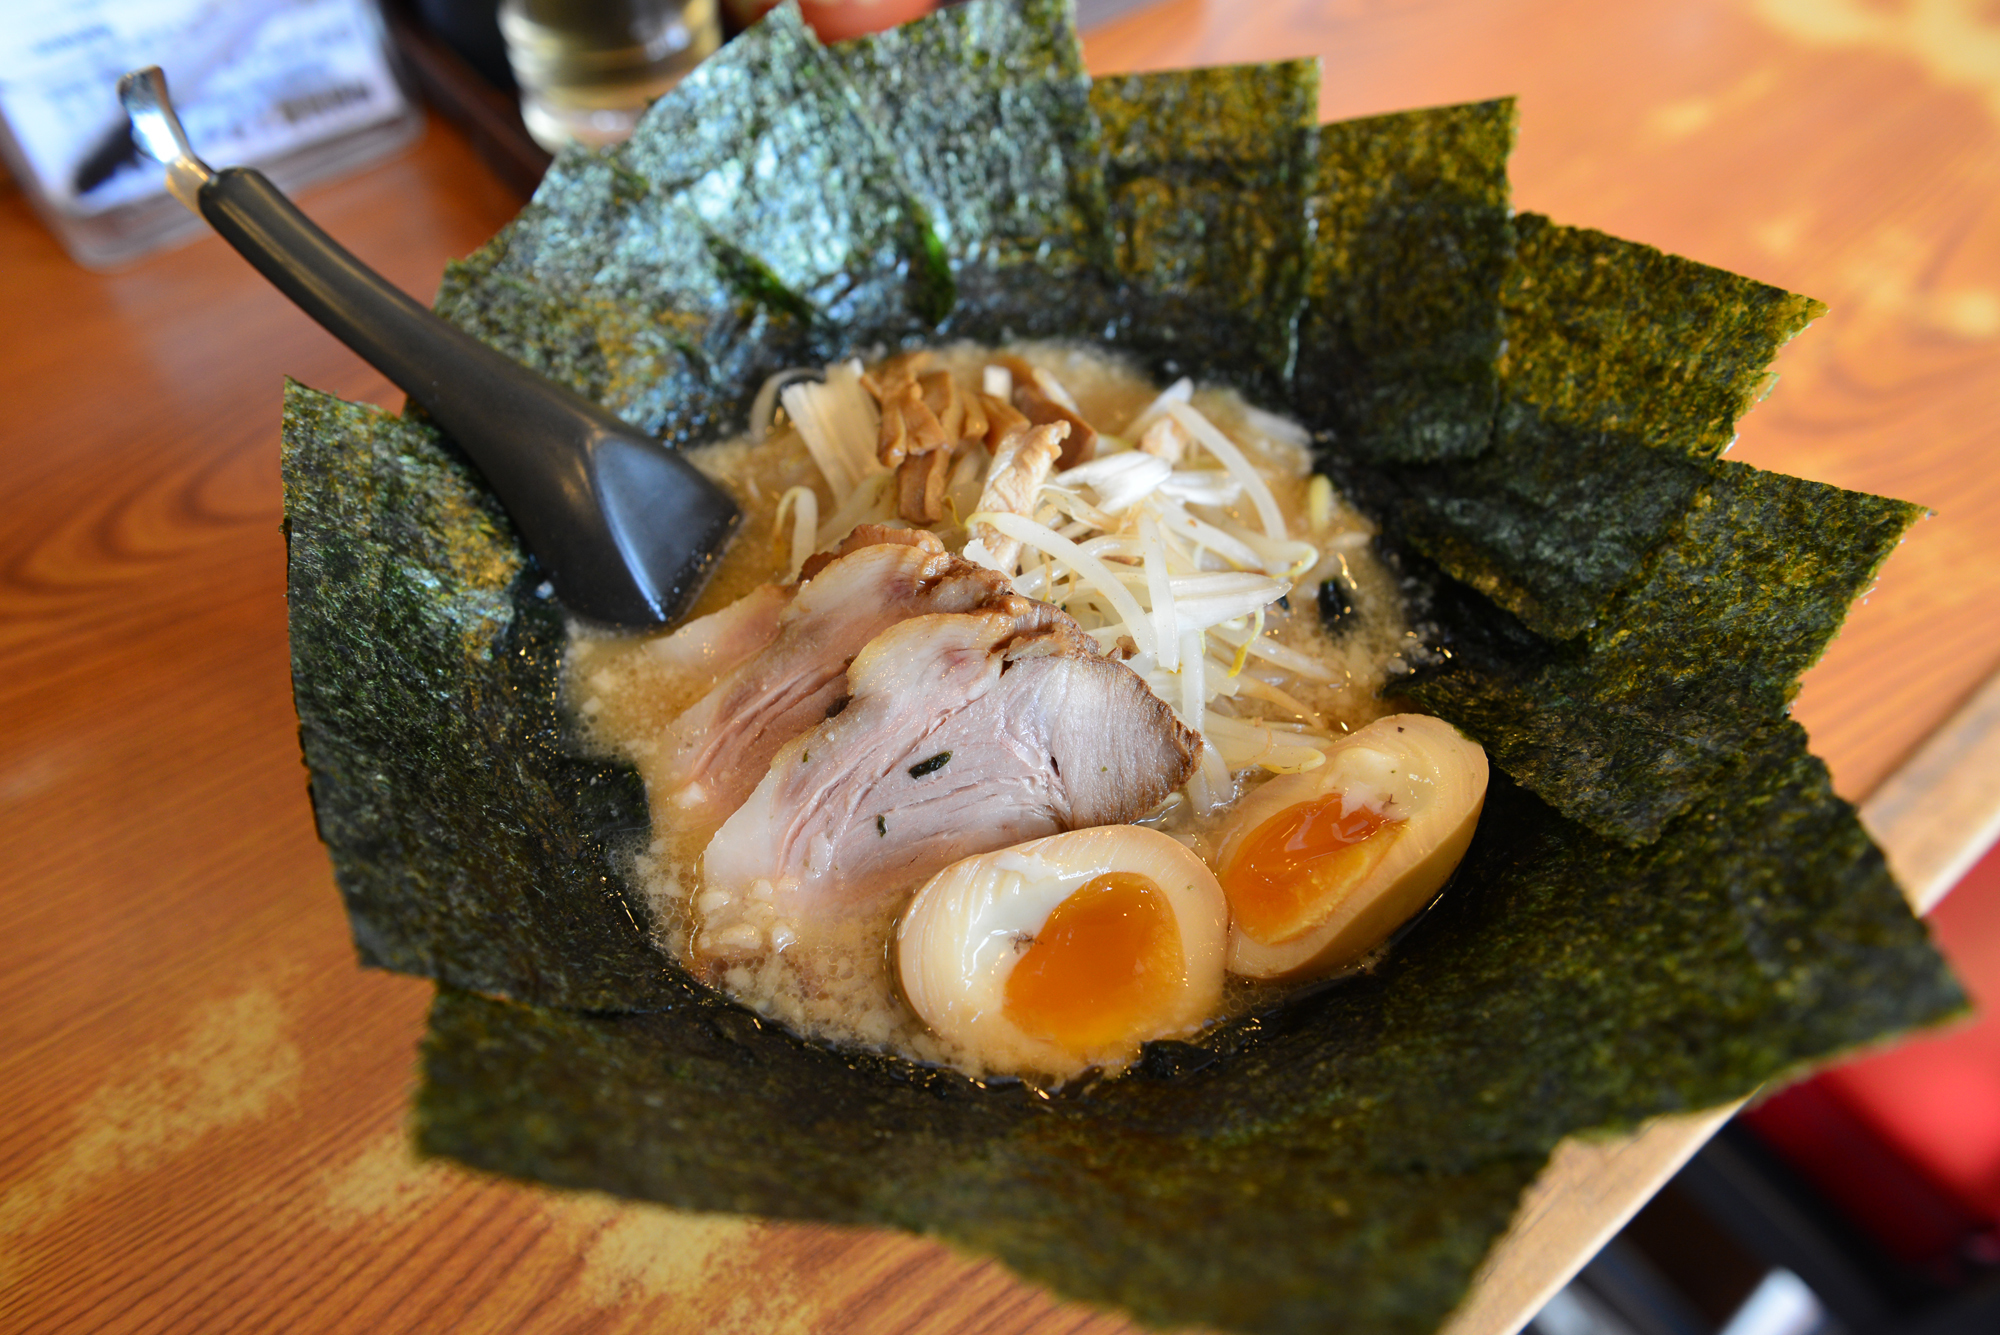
204	1116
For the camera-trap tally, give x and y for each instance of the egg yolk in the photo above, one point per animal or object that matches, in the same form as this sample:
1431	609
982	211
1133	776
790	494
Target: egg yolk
1296	868
1107	959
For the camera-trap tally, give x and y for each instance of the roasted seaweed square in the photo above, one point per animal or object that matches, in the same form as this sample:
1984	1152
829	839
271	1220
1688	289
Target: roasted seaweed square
1550	522
1168	1202
670	276
624	302
763	145
618	290
1207	174
985	108
471	842
1621	336
1623	365
1402	324
1750	589
1628	726
711	249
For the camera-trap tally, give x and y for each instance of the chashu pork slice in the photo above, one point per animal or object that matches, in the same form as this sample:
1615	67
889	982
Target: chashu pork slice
713	755
707	647
965	733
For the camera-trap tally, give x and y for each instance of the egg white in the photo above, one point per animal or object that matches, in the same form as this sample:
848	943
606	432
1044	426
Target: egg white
964	932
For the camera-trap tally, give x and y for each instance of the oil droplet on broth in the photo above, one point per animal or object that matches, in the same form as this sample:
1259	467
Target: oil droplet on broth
1105	961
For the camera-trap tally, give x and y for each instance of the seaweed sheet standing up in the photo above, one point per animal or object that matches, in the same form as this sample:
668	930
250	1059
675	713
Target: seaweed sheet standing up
1346	1160
764	146
471	843
1207	173
1626	727
1551	482
986	111
755	221
1401	326
1651	624
620	295
1604	421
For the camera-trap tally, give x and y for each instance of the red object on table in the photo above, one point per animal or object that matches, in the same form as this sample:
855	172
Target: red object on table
837	20
1906	1143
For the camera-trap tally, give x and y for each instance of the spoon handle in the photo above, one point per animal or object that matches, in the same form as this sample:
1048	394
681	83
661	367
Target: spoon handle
627	529
449	372
551	455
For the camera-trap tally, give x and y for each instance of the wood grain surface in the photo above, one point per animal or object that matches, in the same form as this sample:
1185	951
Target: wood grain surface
204	1098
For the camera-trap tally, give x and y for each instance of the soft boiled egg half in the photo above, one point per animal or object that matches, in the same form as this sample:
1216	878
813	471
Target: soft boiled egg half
1065	953
1321	866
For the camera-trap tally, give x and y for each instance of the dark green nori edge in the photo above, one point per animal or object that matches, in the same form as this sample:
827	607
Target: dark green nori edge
986	108
1402	326
1550	522
712	249
620	294
1604	412
470	842
1348	1159
1625	728
763	144
1207	174
1618	336
1751	588
1314	1177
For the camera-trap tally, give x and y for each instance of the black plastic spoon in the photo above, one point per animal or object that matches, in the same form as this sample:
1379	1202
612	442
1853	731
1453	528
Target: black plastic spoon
627	530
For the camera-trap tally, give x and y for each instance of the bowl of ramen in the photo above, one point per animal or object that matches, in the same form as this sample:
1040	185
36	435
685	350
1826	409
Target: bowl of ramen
1248	705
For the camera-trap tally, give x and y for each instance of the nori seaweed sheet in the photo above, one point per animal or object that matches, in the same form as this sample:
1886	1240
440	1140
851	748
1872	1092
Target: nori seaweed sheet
1612	334
763	144
1342	1163
1401	329
1625	728
1624	368
986	109
668	277
470	841
619	293
1348	1159
1207	174
1550	522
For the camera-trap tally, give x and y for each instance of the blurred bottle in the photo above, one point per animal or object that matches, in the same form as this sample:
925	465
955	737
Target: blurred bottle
589	68
835	20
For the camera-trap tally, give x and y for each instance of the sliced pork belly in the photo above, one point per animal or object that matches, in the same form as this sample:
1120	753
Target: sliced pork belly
710	646
965	733
869	535
717	750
